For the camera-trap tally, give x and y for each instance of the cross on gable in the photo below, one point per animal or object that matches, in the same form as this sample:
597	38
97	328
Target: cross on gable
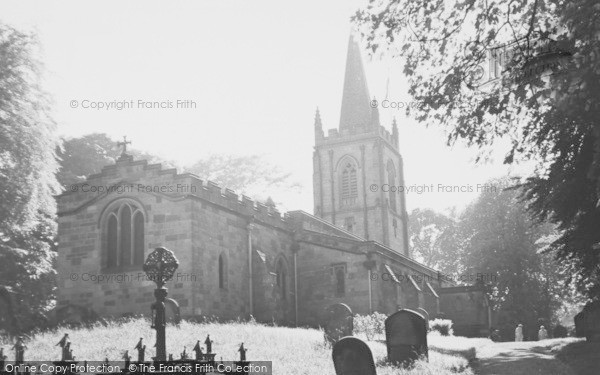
124	145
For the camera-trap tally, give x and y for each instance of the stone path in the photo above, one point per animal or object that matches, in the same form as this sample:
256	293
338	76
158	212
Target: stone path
519	358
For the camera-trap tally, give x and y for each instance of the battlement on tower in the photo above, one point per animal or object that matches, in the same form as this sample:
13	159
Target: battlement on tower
334	135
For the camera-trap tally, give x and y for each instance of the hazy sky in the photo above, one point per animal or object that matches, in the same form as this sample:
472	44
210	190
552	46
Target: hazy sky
256	70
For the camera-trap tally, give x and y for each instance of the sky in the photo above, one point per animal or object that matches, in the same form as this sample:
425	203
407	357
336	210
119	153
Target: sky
256	71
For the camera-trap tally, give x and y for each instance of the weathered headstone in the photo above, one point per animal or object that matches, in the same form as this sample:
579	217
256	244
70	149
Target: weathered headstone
19	349
591	321
425	314
351	356
406	337
198	350
580	324
339	322
141	348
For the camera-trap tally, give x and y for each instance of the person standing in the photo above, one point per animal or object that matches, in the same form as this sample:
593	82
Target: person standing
542	333
519	333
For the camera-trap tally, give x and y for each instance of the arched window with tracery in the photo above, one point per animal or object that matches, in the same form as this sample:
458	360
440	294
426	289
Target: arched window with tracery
348	183
124	236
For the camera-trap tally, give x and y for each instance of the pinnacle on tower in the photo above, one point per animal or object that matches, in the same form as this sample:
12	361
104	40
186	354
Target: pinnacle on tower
318	125
374	114
395	132
356	114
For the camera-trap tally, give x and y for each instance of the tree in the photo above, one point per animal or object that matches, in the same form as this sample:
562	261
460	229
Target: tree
86	155
251	175
501	248
542	98
434	241
245	174
27	181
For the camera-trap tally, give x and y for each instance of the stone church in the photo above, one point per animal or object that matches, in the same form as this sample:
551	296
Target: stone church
239	257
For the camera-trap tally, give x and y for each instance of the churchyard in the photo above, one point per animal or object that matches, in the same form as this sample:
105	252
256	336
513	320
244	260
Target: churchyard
404	342
297	351
293	351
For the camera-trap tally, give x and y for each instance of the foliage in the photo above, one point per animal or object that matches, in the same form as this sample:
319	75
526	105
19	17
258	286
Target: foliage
495	241
549	119
523	284
244	174
559	331
433	239
371	326
443	326
86	155
27	180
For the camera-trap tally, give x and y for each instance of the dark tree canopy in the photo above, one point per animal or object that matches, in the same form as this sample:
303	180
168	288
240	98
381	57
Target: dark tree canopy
27	178
539	94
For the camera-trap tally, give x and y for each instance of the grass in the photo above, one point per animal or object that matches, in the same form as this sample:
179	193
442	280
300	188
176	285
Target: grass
293	351
583	357
457	345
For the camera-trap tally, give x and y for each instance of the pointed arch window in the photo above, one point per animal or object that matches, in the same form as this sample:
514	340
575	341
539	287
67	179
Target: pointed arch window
348	184
222	272
124	236
280	278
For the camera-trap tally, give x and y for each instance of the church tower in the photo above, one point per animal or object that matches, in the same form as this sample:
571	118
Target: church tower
358	167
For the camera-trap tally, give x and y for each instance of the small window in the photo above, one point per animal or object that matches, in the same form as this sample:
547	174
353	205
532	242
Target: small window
395	225
222	272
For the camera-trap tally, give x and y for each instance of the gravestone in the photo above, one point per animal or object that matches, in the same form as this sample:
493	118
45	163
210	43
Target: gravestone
425	314
351	356
406	337
339	322
591	321
579	324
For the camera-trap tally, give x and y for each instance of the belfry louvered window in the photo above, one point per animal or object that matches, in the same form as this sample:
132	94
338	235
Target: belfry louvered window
348	184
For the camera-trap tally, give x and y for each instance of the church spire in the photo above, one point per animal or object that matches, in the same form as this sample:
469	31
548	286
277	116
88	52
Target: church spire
356	108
